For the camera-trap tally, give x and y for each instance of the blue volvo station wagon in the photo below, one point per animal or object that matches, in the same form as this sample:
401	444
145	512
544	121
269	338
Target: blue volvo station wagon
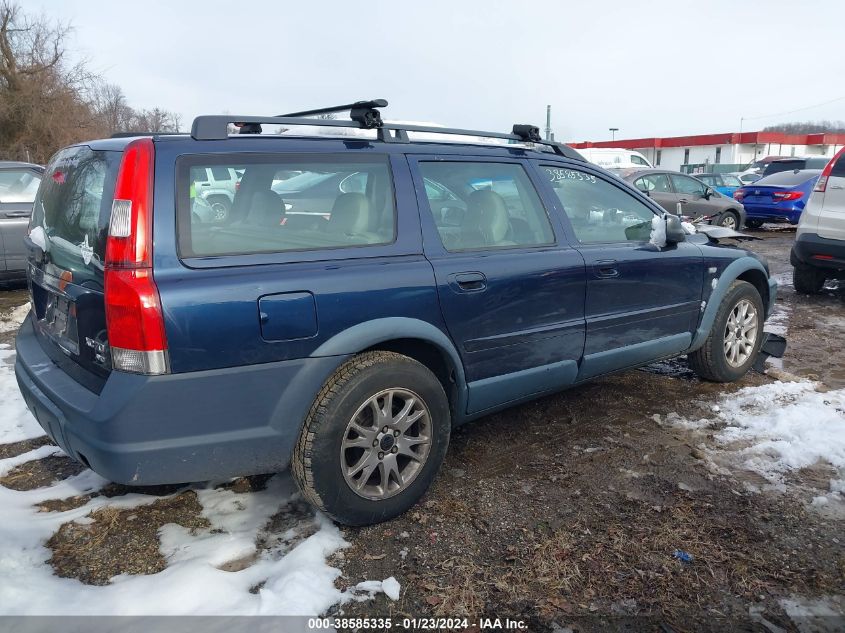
365	294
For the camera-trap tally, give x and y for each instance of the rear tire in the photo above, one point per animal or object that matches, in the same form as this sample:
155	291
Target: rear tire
807	280
346	465
753	224
731	347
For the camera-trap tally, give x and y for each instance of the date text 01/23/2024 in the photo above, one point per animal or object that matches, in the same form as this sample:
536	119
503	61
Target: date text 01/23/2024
417	624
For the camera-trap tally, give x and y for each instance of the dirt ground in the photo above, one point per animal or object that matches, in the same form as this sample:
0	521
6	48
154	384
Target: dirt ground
567	512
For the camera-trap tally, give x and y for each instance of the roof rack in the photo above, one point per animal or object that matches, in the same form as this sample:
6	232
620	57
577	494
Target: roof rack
364	115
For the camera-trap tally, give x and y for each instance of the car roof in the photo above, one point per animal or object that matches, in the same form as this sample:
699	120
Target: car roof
12	164
627	174
290	142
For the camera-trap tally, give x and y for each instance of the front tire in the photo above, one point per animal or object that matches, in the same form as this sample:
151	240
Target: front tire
729	220
735	338
374	439
807	279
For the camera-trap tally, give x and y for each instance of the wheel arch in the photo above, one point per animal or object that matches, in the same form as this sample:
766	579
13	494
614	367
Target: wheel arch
747	269
417	339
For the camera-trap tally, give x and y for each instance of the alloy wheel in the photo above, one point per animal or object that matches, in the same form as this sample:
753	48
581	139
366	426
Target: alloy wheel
741	333
386	444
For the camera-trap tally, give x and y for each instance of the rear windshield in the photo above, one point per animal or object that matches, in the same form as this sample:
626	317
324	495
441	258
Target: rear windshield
73	204
284	203
787	178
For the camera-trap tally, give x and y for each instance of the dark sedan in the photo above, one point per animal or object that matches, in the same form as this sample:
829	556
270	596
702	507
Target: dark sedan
677	192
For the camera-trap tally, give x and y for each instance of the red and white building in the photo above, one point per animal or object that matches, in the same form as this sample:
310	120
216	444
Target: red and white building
730	148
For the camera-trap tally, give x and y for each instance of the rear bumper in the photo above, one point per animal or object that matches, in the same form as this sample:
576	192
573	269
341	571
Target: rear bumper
812	250
760	212
145	430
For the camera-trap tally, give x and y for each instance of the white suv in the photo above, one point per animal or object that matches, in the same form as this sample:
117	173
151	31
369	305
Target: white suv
819	250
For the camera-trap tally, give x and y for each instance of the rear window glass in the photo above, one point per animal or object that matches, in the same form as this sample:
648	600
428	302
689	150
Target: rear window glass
18	185
784	165
484	205
74	203
788	178
285	203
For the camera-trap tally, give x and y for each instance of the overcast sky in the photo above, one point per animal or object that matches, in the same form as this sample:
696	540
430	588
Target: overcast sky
650	68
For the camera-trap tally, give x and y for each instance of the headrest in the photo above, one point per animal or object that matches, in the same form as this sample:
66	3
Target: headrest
350	214
489	213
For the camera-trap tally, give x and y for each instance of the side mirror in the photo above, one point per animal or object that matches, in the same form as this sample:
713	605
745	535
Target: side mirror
674	229
708	192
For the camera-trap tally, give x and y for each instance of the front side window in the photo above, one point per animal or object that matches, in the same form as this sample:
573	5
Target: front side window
18	185
637	160
599	211
289	203
685	184
484	205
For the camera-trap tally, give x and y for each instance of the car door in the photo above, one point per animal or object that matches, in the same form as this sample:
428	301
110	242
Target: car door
511	293
17	193
656	186
692	194
642	302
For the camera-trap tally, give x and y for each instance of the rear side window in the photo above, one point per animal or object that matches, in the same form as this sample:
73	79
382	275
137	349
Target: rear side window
484	205
284	203
653	183
731	181
838	170
74	203
18	185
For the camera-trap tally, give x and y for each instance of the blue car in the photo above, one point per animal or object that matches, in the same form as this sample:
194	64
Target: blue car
426	285
725	184
780	197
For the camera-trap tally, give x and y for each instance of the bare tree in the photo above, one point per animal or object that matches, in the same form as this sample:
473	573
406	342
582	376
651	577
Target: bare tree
46	102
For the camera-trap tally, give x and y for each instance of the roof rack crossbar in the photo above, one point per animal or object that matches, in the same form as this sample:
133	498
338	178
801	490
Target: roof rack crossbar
375	103
366	116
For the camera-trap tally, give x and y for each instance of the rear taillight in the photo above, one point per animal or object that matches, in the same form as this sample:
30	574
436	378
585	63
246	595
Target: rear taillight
821	183
134	317
739	194
782	196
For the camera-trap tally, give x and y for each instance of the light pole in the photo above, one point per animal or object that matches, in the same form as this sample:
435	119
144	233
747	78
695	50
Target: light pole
613	131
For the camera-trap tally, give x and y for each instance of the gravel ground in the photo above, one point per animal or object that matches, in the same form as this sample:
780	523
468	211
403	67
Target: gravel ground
565	511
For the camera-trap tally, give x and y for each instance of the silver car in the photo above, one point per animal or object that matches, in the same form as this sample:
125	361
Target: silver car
677	192
18	184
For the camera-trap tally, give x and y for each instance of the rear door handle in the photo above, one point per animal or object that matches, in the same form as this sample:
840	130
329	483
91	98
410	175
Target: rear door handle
17	214
468	282
605	269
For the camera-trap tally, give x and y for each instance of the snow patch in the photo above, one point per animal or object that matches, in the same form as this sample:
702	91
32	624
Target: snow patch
780	427
16	422
11	320
281	580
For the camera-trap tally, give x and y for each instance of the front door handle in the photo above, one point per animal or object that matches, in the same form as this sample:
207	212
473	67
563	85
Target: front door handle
17	214
605	269
468	282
